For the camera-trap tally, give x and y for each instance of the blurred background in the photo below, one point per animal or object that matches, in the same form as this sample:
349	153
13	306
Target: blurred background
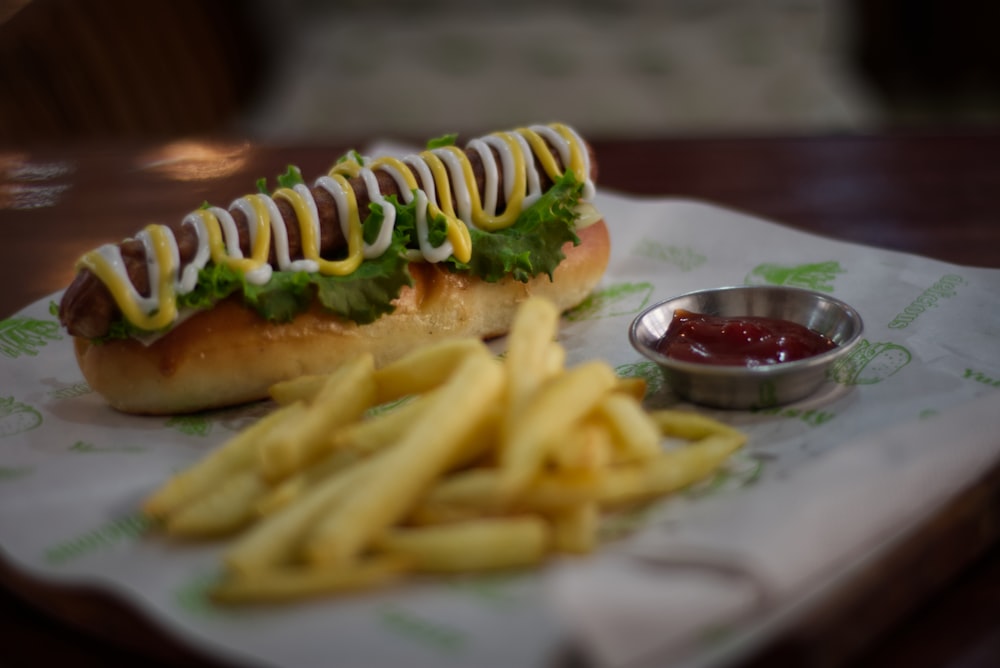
305	70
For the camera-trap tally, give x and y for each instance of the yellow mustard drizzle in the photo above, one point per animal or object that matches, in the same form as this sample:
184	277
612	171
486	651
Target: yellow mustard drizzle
219	250
262	237
540	149
513	207
308	229
576	162
404	171
442	184
216	244
446	165
166	259
349	167
461	240
161	308
457	233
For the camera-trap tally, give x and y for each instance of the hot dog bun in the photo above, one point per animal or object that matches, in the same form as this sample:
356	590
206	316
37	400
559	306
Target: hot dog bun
229	355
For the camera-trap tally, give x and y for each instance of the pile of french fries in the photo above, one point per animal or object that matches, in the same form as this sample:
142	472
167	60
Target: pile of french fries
448	460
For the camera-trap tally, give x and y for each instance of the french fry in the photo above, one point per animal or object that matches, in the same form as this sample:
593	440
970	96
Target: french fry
276	539
367	436
574	530
688	425
409	468
557	491
303	388
428	514
293	583
294	486
478	446
425	368
348	445
280	495
633	386
471	488
479	545
636	435
237	453
671	471
530	351
346	394
224	510
555	360
477	492
586	446
553	409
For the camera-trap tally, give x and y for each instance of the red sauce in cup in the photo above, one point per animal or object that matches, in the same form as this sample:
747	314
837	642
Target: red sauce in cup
739	341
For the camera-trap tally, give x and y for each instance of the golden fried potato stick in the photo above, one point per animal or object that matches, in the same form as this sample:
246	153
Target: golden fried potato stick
360	440
476	492
347	393
347	446
280	495
555	359
585	447
574	530
671	471
415	373
476	545
226	509
633	386
371	434
404	472
419	371
275	540
530	352
688	425
553	408
286	491
294	583
636	435
425	368
303	388
211	471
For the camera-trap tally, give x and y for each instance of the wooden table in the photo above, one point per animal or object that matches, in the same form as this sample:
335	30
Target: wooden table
933	602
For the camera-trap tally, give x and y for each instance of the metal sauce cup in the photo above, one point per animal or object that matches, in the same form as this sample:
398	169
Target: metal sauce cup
741	387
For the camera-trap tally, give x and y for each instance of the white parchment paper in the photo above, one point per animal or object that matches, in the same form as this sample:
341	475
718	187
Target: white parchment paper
907	423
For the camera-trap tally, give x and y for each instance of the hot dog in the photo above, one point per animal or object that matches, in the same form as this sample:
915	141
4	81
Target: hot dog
379	255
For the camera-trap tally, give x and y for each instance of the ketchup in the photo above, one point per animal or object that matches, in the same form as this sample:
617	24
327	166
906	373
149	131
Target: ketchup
739	341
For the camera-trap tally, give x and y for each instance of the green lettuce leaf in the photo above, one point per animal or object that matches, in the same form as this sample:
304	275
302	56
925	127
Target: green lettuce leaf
443	140
215	282
533	244
372	225
362	296
291	178
352	155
